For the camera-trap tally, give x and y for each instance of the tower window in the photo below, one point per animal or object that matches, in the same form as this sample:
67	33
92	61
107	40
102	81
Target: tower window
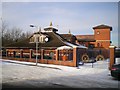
98	44
98	32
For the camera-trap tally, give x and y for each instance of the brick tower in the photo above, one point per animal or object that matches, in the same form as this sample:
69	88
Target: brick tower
102	36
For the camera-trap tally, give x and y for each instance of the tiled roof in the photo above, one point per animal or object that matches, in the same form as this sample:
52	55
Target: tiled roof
22	43
85	38
102	27
67	36
55	41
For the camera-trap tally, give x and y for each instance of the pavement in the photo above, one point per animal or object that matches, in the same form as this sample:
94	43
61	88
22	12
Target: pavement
98	64
59	67
28	75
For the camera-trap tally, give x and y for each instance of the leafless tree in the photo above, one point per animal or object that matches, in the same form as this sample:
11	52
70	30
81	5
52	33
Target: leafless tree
11	35
4	27
25	35
15	34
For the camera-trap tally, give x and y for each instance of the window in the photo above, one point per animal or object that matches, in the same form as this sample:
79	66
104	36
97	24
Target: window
91	46
98	44
32	39
37	39
52	55
98	32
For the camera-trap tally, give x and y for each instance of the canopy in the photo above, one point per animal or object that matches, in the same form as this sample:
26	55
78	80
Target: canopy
64	47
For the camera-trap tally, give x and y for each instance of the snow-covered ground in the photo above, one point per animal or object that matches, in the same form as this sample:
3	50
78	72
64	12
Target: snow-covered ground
48	75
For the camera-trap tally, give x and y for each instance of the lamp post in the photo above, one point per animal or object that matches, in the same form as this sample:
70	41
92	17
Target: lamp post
36	41
39	39
36	53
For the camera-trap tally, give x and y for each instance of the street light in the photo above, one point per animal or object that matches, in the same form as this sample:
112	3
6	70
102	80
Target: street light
41	38
31	25
36	41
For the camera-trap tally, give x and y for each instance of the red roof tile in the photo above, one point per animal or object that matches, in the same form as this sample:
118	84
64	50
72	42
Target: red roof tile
102	27
85	38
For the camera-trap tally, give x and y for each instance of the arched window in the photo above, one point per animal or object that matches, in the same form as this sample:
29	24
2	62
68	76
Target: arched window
32	39
98	44
37	39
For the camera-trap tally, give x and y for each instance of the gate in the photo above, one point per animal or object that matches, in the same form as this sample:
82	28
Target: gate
96	58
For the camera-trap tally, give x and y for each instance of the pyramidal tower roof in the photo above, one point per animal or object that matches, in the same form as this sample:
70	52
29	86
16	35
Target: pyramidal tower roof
102	26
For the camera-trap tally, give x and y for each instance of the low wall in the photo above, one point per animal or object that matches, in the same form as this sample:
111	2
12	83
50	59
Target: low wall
56	62
58	57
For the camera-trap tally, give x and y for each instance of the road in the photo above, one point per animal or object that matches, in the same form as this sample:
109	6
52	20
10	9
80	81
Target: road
15	75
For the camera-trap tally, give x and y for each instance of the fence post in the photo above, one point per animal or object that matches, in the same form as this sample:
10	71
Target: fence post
56	55
75	56
14	53
6	53
112	56
21	53
30	55
42	54
10	54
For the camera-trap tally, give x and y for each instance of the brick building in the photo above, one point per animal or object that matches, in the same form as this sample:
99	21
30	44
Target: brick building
49	53
100	38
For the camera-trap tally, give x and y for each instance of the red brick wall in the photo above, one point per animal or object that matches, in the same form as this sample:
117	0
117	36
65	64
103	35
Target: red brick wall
112	56
102	36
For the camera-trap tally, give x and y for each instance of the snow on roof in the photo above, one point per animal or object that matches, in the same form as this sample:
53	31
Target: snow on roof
51	27
81	46
64	47
75	46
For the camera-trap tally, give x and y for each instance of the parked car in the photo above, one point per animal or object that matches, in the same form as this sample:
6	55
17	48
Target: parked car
115	71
